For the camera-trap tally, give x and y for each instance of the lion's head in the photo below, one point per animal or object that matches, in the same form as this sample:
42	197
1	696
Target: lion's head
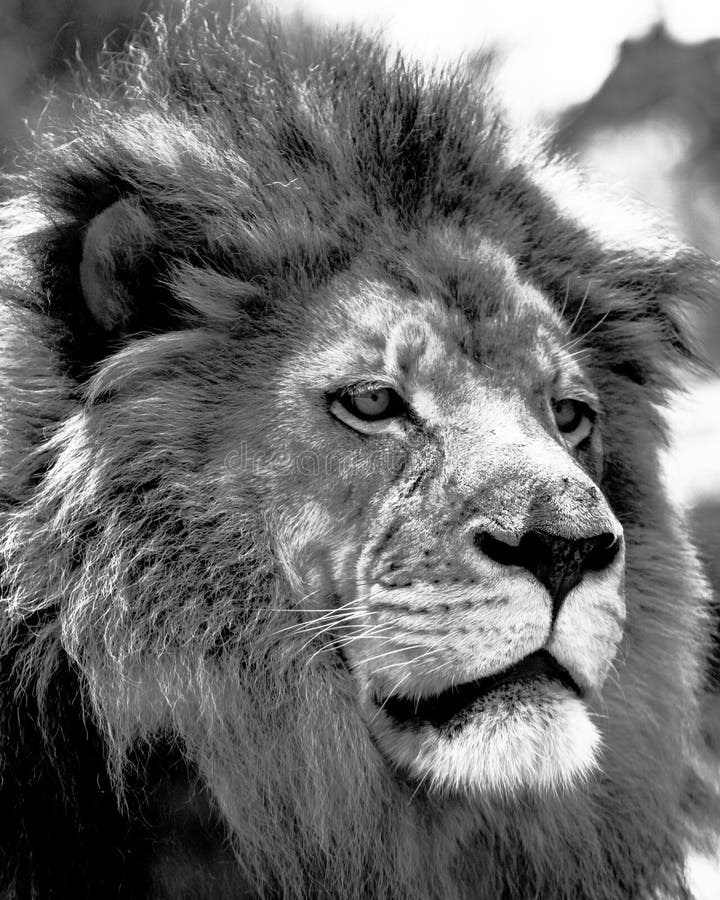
332	516
443	519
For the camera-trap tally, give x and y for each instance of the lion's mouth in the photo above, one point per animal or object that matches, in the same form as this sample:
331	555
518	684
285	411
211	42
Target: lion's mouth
456	703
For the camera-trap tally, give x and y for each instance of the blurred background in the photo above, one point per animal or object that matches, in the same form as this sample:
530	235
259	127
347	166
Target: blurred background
631	88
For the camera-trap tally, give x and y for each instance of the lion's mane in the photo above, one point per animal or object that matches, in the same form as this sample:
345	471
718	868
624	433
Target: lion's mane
162	732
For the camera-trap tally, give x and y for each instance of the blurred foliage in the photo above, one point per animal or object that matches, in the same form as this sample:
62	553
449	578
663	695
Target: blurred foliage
654	127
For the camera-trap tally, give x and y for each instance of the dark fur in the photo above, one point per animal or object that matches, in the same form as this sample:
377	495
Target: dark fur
267	164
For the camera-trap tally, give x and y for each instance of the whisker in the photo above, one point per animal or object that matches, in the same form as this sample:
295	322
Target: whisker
580	309
320	621
343	641
397	686
590	330
378	656
565	301
420	783
315	630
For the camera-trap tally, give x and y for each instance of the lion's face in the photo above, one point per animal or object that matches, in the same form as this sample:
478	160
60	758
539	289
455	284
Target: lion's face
441	519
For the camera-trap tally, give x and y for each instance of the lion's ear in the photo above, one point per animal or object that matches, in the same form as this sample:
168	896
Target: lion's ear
117	250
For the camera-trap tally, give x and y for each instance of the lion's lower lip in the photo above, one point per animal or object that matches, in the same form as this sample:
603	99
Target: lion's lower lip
445	708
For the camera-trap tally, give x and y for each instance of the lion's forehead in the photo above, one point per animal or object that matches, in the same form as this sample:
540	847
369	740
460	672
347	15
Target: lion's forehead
440	343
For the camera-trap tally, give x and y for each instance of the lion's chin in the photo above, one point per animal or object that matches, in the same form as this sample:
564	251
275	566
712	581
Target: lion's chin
535	735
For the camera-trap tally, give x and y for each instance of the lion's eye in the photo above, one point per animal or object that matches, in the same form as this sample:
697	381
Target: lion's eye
372	404
574	419
368	409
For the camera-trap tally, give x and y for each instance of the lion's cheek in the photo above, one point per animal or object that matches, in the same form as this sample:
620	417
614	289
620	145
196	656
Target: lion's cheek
313	548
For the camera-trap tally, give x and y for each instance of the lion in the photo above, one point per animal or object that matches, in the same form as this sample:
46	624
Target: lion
336	560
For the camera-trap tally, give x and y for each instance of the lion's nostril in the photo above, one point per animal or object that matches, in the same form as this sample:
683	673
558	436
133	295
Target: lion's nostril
604	550
558	563
506	554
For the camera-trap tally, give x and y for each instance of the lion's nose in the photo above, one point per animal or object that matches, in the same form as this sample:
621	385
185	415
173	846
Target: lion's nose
558	563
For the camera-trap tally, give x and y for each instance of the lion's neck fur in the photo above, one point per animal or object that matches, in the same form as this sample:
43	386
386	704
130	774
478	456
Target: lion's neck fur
310	813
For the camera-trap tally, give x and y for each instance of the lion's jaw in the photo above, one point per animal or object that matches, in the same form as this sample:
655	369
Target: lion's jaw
427	619
532	735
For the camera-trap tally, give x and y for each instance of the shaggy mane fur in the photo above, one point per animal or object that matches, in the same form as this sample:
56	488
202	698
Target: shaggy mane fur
160	734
